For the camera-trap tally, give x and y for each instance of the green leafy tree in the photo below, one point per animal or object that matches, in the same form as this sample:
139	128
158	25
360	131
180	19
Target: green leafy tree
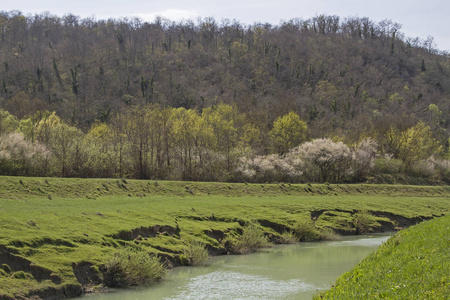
8	122
101	158
418	143
288	132
223	119
193	139
68	149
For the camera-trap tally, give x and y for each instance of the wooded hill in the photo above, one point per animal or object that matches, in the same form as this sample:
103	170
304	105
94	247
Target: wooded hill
342	76
346	79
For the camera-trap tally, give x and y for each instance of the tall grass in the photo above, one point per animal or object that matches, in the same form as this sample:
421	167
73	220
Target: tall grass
363	221
195	253
251	239
288	237
129	267
305	230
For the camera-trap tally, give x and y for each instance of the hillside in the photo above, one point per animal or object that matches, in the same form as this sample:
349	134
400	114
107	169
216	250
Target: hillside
214	101
342	75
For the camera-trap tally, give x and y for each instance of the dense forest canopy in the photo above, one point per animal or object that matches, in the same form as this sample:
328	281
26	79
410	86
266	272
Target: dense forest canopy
349	80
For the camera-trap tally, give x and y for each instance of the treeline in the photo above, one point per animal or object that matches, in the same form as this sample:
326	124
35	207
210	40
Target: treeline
217	144
342	76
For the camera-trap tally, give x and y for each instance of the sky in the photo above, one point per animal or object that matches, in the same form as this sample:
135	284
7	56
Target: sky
419	18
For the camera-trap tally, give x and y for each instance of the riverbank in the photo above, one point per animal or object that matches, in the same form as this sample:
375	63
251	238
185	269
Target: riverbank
57	233
414	264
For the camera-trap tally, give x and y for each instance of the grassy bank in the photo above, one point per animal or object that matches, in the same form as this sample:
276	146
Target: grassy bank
57	234
414	264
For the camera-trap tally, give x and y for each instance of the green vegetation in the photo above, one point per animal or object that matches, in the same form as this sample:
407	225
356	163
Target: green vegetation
132	267
305	230
216	144
250	240
318	100
414	264
63	232
288	237
194	253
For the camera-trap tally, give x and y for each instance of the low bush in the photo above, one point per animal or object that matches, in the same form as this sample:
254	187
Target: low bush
251	239
306	231
287	237
195	253
132	267
388	165
22	275
328	234
363	221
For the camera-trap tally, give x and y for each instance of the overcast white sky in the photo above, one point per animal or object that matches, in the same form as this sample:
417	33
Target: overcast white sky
420	18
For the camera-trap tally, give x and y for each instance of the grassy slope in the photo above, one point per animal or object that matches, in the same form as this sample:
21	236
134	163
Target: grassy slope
414	264
57	222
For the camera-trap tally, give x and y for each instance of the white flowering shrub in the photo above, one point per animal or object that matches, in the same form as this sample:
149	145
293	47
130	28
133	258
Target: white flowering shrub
269	168
19	156
323	160
432	167
363	159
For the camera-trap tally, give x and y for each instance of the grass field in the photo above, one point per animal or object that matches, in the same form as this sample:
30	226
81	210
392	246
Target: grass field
57	233
414	264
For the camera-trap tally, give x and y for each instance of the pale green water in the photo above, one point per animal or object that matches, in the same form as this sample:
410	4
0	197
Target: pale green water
281	272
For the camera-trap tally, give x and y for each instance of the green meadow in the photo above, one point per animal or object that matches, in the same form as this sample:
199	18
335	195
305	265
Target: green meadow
57	234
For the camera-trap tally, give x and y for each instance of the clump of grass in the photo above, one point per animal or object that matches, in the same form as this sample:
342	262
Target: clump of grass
3	273
288	237
129	267
31	223
195	253
6	268
251	239
363	221
328	234
306	231
22	275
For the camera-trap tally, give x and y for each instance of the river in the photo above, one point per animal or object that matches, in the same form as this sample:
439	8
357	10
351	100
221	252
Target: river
281	272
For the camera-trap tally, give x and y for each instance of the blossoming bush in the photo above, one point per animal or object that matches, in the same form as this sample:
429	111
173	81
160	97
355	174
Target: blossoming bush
19	156
269	168
320	160
324	160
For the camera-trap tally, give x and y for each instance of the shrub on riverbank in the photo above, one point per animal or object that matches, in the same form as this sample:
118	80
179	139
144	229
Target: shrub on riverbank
288	237
328	234
363	221
251	239
305	230
194	253
132	267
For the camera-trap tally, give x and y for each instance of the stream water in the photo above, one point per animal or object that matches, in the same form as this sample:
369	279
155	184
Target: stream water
281	272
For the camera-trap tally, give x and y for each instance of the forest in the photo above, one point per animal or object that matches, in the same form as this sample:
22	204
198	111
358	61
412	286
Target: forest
325	99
